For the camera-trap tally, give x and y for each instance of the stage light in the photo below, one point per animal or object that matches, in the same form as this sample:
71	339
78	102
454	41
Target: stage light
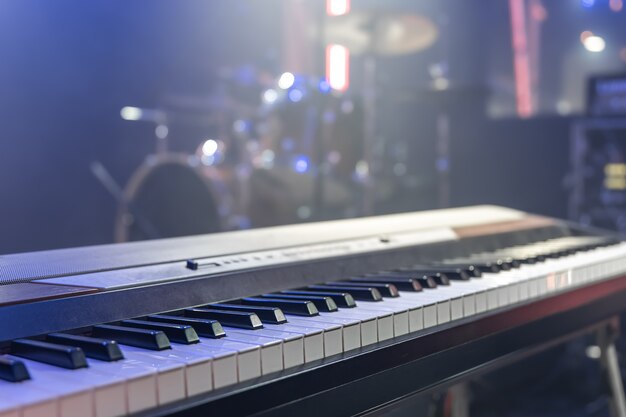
267	158
295	95
399	169
441	84
563	107
131	113
337	7
270	96
324	87
594	43
161	131
338	67
209	147
585	34
304	212
616	5
301	164
347	106
286	80
587	3
240	126
362	170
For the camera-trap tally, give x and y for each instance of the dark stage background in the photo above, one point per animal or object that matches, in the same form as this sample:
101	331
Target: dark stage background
67	68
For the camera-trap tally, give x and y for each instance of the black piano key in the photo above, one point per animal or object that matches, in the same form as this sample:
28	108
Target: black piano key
141	338
386	289
101	349
203	327
425	280
178	333
451	273
358	293
468	267
271	315
295	307
323	303
500	263
513	263
439	278
69	357
401	283
341	299
240	319
12	370
528	260
475	267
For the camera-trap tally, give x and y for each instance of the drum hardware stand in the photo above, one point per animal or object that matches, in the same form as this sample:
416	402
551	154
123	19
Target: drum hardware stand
606	337
108	182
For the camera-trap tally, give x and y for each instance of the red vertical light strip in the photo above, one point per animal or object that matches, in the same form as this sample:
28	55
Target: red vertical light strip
521	63
338	67
337	56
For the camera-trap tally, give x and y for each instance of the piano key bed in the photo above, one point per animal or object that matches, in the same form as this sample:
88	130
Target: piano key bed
301	319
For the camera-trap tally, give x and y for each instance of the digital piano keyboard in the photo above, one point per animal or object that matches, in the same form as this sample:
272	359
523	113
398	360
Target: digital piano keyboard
334	318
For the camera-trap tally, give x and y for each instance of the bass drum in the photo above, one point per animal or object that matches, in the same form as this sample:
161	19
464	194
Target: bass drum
173	195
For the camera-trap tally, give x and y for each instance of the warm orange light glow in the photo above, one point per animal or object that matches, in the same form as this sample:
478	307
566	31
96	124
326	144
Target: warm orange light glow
338	67
584	35
616	5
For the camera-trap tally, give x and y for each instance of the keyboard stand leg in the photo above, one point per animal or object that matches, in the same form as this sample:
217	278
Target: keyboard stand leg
610	366
460	400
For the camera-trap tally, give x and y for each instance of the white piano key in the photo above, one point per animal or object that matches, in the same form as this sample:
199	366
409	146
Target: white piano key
171	384
248	355
271	349
524	288
533	288
400	309
368	323
542	286
224	361
293	343
456	308
351	328
435	304
313	339
492	299
384	318
430	315
9	413
333	333
503	296
32	401
415	302
141	382
409	305
481	302
9	407
81	392
469	305
223	364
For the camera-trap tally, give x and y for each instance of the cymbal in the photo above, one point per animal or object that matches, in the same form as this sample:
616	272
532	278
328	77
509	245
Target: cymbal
381	33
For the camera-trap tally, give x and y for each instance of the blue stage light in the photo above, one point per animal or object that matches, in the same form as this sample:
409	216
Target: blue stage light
301	164
295	95
324	87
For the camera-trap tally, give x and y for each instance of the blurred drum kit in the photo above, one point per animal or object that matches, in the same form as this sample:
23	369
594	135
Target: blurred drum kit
288	149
